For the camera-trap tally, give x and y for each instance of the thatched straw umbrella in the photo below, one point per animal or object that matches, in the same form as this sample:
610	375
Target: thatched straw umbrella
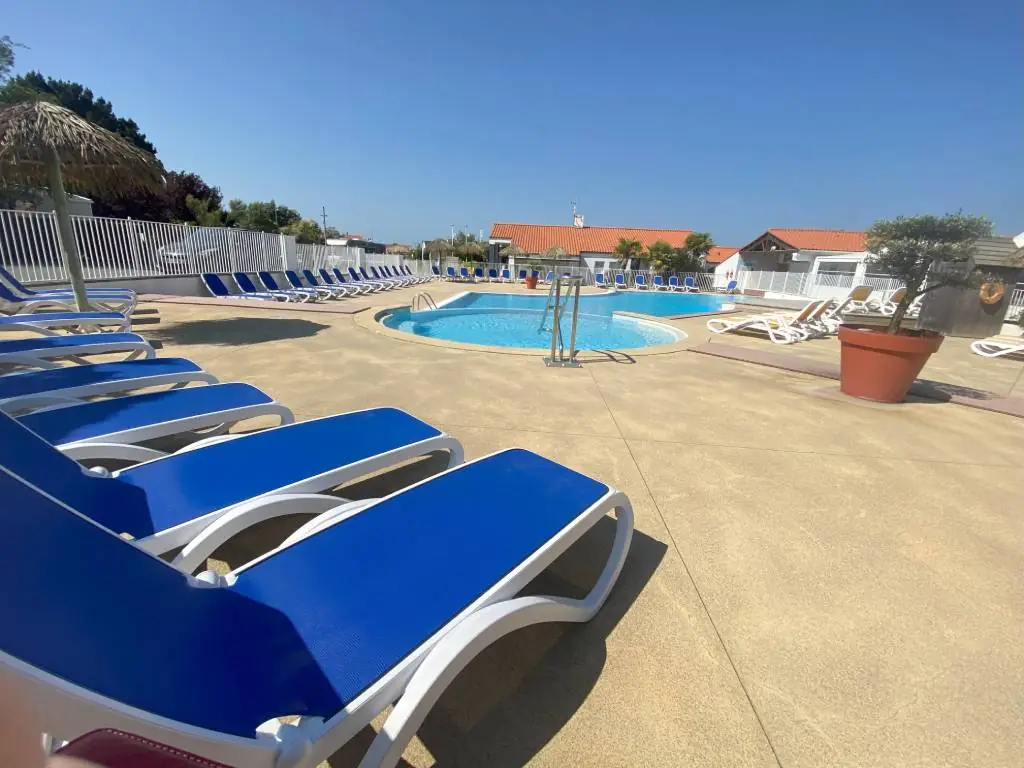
42	144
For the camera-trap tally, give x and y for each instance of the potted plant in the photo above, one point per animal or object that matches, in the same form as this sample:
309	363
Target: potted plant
531	276
925	253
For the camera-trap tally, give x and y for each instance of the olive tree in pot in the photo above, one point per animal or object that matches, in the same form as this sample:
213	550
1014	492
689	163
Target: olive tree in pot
925	253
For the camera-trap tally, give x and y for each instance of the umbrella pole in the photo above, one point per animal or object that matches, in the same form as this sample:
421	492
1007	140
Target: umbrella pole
72	259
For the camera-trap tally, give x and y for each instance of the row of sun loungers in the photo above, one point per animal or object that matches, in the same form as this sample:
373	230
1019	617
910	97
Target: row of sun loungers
372	603
312	286
817	319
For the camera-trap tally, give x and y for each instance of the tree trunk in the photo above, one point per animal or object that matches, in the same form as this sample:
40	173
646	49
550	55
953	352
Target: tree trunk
72	260
901	310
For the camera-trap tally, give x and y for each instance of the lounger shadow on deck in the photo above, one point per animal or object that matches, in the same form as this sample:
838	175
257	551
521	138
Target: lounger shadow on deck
516	696
235	331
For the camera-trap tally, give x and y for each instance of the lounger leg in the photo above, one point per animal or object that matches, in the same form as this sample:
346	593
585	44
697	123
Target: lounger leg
463	643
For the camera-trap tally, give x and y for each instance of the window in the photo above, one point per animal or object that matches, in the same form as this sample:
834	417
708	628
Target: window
598	266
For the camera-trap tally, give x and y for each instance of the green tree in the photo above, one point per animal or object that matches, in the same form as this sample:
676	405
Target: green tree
698	245
7	47
332	233
260	216
662	256
925	253
628	252
178	187
305	231
203	213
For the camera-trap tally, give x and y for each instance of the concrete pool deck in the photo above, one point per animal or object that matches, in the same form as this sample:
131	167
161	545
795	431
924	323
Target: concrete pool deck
814	582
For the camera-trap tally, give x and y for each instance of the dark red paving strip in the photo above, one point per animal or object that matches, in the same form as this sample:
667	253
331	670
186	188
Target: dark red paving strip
343	307
932	390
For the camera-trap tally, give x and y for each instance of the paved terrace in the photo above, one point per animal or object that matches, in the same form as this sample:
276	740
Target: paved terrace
814	581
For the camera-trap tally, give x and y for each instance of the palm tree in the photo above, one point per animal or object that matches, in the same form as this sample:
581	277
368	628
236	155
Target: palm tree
42	144
628	251
698	245
554	252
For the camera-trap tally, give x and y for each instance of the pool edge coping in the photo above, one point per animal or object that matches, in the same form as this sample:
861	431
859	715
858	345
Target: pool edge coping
371	321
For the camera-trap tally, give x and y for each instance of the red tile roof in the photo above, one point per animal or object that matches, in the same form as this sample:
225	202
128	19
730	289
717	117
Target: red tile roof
841	240
720	253
537	238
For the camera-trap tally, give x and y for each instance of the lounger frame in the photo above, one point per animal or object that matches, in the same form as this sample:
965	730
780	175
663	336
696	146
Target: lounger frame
413	685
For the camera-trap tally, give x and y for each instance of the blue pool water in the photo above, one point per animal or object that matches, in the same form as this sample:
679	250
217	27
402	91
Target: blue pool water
512	320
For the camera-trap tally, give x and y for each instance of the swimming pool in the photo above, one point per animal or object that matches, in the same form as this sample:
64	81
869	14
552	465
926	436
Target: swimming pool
512	320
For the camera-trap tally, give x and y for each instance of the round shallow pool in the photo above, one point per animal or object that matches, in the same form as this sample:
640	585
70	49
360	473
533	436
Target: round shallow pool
511	320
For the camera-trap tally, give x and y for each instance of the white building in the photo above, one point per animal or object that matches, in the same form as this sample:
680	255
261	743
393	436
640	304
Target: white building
839	256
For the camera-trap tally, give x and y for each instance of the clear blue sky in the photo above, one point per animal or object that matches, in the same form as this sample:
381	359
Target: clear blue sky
405	117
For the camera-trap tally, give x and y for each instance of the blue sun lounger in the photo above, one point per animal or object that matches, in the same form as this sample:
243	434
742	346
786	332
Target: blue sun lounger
659	283
299	294
673	283
492	275
689	285
599	280
451	274
215	285
620	280
47	323
355	612
109	299
361	276
165	503
110	429
42	351
337	291
329	280
358	284
24	306
383	273
401	277
296	283
506	276
464	274
639	281
436	271
404	269
61	386
248	287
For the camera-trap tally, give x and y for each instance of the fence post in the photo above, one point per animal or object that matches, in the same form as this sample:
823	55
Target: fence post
231	250
283	252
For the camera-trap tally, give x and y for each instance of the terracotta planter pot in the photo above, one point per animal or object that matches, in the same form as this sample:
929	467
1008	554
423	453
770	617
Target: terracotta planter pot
531	282
879	366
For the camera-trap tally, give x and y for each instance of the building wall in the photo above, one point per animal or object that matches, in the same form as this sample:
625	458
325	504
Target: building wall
591	259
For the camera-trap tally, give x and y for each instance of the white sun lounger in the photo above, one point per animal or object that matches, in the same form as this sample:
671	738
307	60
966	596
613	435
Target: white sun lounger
62	386
778	327
358	611
998	346
49	323
45	351
166	502
112	428
63	299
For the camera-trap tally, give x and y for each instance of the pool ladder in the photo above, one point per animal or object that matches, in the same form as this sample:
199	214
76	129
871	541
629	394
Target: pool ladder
557	306
421	300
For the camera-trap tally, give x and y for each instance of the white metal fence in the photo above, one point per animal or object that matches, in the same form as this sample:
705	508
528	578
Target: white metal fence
326	256
821	285
30	245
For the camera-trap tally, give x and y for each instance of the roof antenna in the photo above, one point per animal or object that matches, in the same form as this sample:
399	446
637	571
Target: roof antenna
577	218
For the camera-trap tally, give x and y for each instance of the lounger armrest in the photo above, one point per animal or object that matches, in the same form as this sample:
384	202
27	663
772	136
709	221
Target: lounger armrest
246	515
109	451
